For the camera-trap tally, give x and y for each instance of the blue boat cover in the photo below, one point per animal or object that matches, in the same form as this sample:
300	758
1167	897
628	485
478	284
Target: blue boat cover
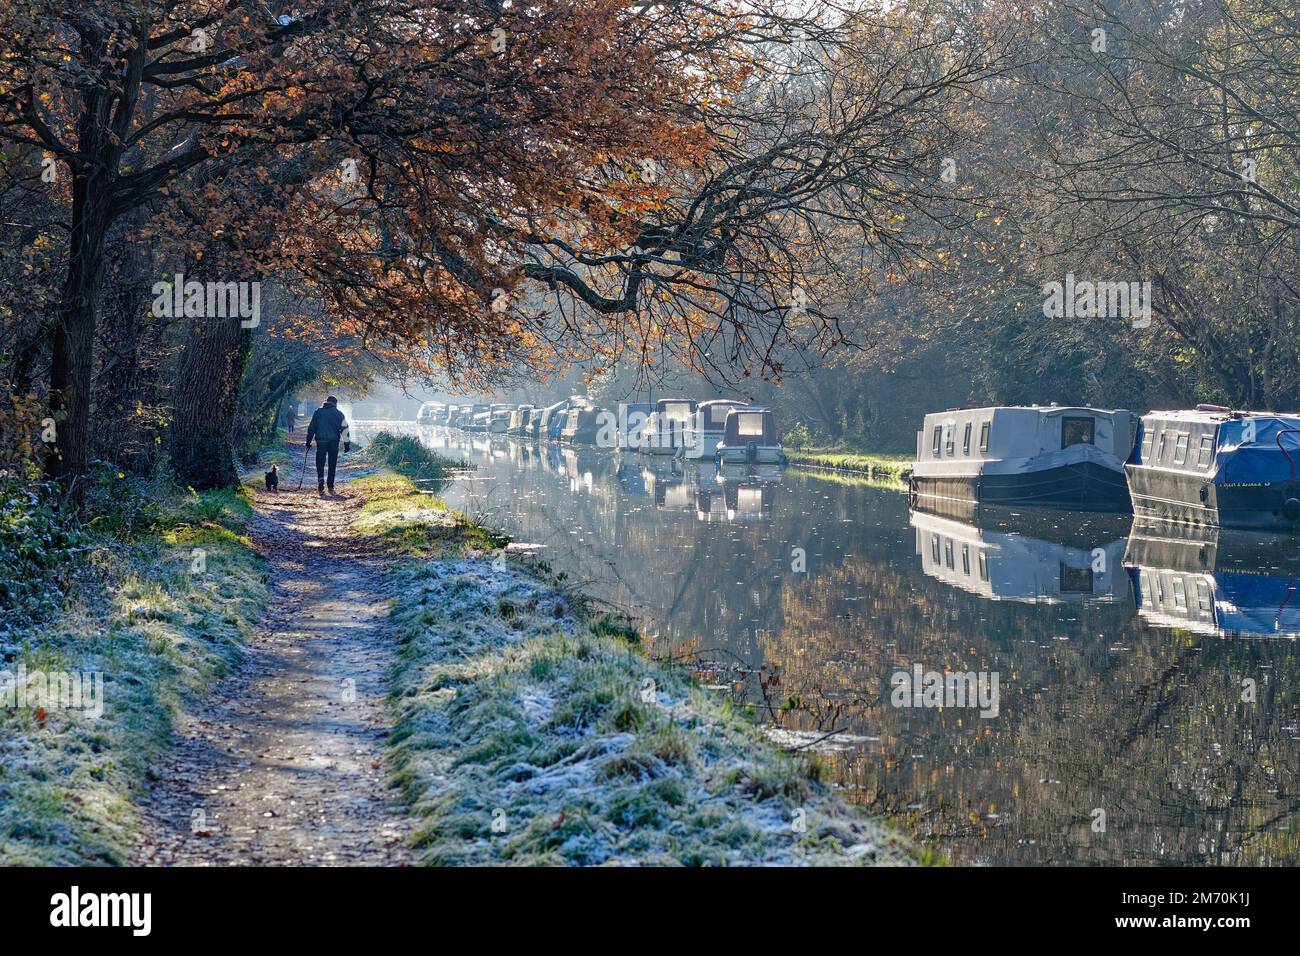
1257	604
1261	461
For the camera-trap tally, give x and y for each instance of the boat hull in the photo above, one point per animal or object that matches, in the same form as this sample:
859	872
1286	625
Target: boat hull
1083	485
1166	495
741	454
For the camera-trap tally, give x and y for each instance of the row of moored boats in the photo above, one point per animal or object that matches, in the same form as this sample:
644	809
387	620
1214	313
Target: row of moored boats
1208	466
720	429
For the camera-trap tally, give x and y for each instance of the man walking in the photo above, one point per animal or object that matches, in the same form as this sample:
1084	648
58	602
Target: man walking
328	427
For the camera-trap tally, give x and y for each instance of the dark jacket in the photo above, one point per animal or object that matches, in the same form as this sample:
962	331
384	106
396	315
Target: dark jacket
327	425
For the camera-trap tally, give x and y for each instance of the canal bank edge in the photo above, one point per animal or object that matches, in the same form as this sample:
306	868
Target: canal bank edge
885	470
531	730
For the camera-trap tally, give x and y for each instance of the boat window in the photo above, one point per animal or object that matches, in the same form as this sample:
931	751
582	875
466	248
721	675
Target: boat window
965	549
749	425
984	436
1160	447
938	437
947	553
1180	448
950	444
718	415
934	547
984	566
1202	594
1077	431
1180	594
965	440
1147	437
1207	451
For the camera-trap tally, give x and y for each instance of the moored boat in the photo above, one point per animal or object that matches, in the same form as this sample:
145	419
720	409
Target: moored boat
1043	455
665	431
749	436
1217	467
705	427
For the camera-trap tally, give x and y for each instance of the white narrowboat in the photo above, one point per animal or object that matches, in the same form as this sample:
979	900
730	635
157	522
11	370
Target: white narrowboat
1046	455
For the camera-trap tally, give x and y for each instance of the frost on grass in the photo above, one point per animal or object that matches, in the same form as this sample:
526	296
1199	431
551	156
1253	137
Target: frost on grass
159	633
526	737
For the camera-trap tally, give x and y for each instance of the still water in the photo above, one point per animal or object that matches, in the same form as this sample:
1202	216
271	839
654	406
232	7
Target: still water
1147	711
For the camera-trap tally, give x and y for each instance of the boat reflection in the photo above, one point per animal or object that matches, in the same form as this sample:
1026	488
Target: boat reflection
1007	562
1215	581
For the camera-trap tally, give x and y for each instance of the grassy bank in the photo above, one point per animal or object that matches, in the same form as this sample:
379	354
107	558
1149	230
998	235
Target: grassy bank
885	468
158	594
530	730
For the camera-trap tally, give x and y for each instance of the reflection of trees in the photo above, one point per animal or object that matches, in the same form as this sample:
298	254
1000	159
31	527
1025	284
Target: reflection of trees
1144	724
1096	710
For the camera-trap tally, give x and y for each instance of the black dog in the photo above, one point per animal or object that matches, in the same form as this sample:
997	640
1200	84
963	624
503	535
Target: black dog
273	479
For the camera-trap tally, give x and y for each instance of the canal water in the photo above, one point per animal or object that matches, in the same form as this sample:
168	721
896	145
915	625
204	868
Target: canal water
1146	700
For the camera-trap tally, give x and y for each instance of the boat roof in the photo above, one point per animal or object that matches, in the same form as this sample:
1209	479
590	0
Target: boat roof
1043	409
1215	415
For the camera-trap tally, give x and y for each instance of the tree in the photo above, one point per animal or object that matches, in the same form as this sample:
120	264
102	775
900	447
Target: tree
477	182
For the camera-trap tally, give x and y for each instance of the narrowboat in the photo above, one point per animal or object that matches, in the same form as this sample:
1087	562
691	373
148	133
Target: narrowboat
499	418
1044	455
705	427
665	430
749	436
632	420
429	413
1215	581
552	418
1006	564
519	420
582	425
476	418
1217	467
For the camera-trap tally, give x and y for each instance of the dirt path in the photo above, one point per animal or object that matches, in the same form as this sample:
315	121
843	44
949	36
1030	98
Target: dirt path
283	765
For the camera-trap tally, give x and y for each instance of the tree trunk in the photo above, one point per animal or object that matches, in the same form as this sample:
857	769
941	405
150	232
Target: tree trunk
72	358
204	403
72	353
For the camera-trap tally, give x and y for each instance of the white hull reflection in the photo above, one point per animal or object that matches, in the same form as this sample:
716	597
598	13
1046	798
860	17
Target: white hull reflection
1005	565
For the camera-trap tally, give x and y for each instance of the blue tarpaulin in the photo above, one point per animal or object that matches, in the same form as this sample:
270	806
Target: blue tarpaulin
1261	461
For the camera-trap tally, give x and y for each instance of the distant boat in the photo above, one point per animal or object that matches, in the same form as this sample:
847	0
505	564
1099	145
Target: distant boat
430	412
582	425
704	429
1217	467
519	419
633	417
749	436
1046	455
665	431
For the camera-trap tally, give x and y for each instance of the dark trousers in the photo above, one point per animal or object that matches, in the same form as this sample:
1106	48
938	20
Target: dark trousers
326	451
